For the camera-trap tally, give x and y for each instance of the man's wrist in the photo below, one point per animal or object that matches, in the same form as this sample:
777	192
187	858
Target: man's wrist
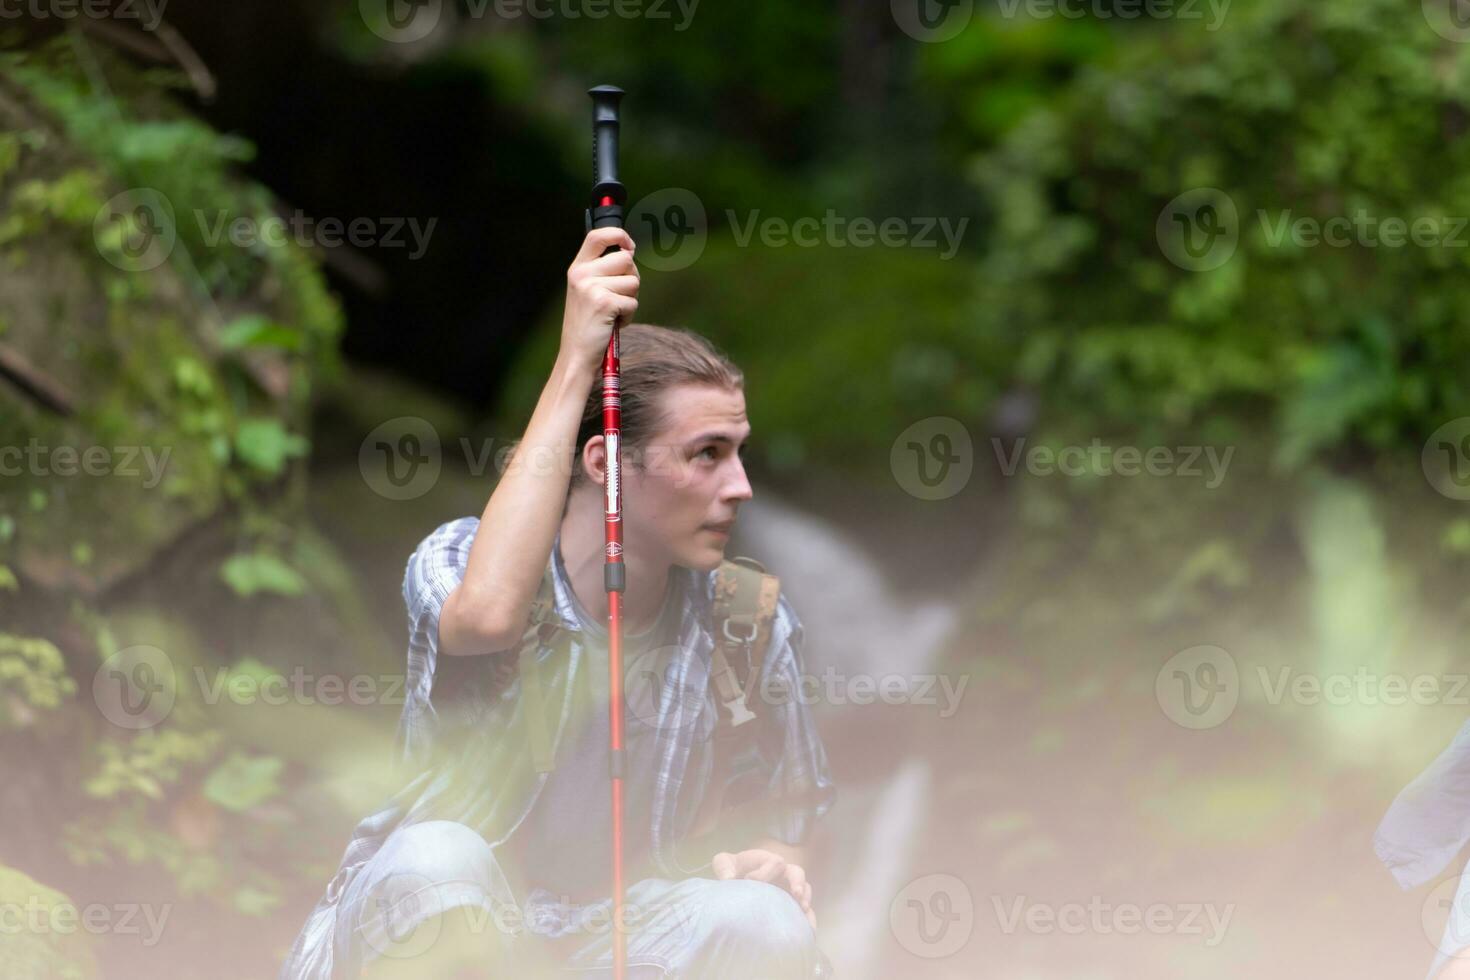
572	372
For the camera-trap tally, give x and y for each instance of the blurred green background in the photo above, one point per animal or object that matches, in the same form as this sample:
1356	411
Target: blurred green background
1085	151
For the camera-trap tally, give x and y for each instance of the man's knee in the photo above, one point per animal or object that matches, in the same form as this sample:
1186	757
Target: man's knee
761	919
442	874
444	851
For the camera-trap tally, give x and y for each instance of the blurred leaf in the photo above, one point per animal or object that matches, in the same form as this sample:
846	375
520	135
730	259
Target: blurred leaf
241	781
260	572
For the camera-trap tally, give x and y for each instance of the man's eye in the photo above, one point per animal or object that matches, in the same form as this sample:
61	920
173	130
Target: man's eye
710	450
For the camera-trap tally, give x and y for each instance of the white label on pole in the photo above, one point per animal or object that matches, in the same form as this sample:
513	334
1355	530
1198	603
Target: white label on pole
614	465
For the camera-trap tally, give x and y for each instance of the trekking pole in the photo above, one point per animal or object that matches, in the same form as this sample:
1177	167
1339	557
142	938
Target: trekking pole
608	198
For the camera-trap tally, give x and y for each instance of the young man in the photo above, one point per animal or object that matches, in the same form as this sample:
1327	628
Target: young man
495	857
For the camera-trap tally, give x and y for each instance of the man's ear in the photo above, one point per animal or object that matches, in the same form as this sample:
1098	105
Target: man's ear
593	459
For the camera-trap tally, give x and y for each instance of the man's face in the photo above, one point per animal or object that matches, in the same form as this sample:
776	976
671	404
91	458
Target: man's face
681	502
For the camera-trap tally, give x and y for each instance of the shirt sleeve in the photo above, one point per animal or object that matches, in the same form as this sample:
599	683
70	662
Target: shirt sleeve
434	570
1429	822
800	788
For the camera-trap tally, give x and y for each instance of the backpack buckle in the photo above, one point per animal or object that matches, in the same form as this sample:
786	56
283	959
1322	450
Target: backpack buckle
745	640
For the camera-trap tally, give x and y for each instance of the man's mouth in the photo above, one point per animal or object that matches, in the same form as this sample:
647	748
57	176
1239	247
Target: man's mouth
720	528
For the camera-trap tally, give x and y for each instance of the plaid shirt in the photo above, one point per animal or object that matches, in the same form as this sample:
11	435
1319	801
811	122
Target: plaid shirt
798	783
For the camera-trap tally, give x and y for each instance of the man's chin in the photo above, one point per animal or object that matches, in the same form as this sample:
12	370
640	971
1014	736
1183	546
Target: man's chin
705	558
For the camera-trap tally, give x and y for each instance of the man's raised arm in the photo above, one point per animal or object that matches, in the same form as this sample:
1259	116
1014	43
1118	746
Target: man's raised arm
488	611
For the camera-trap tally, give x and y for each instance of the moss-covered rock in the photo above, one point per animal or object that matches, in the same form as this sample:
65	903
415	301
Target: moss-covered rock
51	945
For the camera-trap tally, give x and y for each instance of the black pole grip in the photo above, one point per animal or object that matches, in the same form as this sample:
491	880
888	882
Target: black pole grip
605	183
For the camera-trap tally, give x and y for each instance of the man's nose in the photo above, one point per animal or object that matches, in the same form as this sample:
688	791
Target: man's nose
739	486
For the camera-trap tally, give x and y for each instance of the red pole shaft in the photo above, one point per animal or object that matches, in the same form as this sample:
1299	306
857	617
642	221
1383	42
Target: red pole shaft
612	421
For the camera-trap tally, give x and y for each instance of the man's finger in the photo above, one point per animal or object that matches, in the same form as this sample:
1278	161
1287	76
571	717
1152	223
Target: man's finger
599	240
723	866
770	871
796	883
611	264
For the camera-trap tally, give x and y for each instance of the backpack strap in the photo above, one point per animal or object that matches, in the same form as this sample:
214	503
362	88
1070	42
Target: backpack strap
744	608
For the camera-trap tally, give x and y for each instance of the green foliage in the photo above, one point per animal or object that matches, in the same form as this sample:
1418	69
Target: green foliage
249	574
264	445
32	673
1321	111
148	761
242	781
42	954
